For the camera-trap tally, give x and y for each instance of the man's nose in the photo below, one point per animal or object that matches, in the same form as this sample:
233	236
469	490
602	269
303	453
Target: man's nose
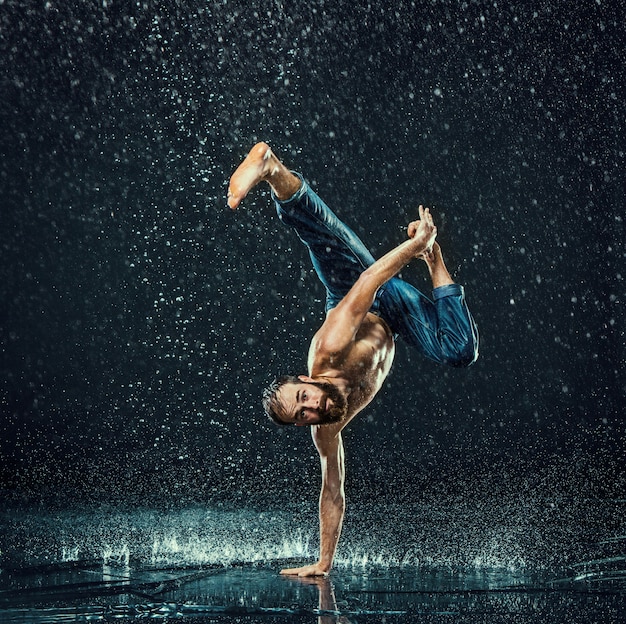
313	402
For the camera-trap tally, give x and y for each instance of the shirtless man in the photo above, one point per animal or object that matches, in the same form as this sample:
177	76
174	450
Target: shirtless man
367	308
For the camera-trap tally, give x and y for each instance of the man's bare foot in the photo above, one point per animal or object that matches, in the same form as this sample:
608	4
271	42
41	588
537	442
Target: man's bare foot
433	259
436	266
260	165
431	256
255	168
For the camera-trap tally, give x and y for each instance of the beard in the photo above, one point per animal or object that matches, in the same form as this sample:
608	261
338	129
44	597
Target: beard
339	408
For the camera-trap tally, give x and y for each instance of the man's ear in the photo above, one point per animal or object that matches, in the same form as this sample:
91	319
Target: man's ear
305	379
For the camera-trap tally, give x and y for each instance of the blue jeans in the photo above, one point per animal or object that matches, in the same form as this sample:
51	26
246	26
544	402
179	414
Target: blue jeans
443	329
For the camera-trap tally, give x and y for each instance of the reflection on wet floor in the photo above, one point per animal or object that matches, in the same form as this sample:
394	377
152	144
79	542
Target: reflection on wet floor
217	565
84	590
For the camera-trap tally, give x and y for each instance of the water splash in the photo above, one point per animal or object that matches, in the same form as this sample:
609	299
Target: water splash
421	536
116	555
71	553
200	549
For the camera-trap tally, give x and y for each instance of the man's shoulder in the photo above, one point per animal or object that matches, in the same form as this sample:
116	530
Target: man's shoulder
336	333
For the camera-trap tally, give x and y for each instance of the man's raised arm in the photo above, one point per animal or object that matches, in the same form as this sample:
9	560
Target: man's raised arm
344	320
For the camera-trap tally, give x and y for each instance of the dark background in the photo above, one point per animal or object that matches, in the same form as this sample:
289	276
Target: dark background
140	318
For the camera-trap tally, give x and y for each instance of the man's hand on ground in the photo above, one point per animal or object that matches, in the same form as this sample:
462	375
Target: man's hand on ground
311	570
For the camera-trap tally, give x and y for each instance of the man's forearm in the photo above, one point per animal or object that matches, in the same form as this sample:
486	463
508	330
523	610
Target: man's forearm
422	235
392	263
343	321
331	520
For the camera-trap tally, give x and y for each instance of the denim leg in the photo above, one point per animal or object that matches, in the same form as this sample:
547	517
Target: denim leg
338	254
443	329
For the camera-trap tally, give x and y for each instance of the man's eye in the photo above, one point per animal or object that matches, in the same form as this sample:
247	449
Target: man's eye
304	396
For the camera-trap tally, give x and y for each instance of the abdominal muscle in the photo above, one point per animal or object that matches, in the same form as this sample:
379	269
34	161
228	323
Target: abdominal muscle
368	363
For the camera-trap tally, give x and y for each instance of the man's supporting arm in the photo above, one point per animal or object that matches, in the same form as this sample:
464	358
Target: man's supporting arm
332	500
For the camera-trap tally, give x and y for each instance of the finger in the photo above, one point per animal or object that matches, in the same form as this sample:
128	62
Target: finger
428	216
289	571
313	572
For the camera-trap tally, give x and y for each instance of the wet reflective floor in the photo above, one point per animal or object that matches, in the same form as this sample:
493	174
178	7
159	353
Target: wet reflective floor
431	564
89	591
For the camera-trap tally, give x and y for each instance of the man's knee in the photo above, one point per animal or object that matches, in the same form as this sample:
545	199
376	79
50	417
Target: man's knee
461	355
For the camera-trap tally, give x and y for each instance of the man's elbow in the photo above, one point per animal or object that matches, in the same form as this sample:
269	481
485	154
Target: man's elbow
335	497
369	280
364	291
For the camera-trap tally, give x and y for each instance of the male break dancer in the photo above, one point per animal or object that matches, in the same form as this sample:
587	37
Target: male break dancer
351	354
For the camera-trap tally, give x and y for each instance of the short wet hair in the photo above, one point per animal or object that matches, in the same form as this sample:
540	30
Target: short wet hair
271	403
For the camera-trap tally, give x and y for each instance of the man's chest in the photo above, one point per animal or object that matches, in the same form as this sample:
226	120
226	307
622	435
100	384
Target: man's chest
369	360
364	361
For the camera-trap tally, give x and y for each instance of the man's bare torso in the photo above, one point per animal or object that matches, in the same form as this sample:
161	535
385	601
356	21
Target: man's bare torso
361	367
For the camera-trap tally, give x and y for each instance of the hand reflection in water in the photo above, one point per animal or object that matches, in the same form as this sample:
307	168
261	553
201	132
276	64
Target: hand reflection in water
327	602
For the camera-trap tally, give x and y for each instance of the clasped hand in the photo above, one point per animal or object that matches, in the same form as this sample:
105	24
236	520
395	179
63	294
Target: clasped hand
423	231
